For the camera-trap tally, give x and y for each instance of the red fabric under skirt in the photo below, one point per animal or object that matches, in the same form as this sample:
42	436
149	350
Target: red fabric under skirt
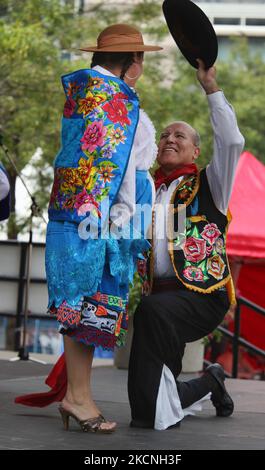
57	380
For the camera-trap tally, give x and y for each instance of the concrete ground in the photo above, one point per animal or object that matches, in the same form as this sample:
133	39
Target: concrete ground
41	428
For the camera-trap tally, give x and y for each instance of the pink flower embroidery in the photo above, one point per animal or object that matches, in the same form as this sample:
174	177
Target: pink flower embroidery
194	249
82	210
210	233
193	274
81	198
94	136
85	202
69	107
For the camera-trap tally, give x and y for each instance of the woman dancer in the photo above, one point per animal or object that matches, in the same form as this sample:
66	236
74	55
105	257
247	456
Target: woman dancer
108	145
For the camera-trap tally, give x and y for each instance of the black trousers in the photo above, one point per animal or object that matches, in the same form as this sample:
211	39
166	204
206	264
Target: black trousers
163	324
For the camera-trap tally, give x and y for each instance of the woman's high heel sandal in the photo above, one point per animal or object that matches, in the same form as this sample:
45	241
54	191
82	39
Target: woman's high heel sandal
87	425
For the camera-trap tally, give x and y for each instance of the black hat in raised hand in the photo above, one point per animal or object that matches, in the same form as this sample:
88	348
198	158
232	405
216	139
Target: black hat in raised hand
192	31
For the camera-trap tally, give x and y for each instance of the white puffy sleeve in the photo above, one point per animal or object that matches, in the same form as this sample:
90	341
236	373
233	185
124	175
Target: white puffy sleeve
4	185
124	207
228	145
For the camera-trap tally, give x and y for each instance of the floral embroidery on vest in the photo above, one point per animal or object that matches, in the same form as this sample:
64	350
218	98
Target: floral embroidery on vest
185	190
198	255
201	251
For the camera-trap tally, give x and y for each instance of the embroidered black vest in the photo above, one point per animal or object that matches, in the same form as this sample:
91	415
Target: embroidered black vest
199	254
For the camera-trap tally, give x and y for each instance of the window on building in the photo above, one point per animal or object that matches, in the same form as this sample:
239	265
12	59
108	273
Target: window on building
255	21
230	1
227	21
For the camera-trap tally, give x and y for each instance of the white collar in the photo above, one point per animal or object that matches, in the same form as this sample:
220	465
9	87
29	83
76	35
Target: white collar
102	70
173	184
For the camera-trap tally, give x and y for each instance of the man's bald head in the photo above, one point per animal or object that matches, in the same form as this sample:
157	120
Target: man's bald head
193	133
179	145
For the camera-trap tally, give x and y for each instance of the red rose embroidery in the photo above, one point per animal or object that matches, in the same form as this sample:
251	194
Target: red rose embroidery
69	107
210	233
195	249
193	274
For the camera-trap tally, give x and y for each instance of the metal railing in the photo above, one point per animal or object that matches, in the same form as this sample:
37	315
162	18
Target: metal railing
21	280
235	337
237	340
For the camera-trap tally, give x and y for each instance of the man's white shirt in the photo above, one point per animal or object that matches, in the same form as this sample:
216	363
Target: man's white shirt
228	145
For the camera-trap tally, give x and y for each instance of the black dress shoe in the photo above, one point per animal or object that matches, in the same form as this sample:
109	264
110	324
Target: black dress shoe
135	423
220	398
173	426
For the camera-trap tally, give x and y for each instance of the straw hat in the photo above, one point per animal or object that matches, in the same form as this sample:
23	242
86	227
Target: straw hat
120	38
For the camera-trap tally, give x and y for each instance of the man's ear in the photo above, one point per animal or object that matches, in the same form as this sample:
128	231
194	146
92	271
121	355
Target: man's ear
196	153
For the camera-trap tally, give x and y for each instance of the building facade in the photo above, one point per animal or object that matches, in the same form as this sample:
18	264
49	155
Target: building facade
230	18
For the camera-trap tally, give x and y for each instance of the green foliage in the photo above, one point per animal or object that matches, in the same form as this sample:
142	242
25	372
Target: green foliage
39	37
176	95
243	78
145	10
36	37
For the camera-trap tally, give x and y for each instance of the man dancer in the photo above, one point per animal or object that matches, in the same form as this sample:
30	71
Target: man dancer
190	284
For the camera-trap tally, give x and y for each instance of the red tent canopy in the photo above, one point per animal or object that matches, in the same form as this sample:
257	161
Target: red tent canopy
246	243
246	235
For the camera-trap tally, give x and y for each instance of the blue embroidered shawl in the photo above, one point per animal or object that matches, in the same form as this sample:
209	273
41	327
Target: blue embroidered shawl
98	127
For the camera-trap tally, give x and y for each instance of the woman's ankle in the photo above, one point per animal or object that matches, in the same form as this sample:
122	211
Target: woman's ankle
78	400
77	396
83	409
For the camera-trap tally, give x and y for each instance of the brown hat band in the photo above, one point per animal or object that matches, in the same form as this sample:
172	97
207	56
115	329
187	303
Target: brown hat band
119	39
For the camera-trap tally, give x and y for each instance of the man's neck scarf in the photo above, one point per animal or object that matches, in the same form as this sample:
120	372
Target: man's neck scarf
162	178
